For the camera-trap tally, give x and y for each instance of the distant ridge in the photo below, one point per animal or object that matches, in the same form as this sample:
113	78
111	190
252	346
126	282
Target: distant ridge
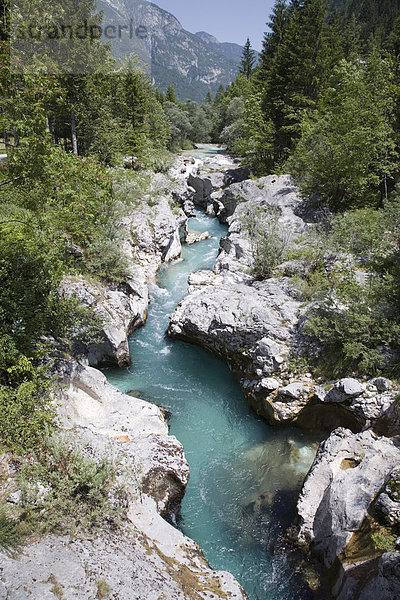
194	63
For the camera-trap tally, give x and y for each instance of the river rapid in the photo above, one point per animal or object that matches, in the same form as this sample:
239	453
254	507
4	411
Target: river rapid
245	475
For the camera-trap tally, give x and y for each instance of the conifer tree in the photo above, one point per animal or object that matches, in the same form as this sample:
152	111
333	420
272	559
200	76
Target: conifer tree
347	151
170	95
294	79
274	37
248	60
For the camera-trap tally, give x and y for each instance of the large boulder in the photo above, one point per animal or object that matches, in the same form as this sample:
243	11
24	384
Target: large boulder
278	191
153	231
249	326
378	578
348	473
125	565
204	184
138	428
213	175
120	311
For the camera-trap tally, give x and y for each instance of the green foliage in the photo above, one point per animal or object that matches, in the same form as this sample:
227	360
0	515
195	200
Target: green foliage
11	533
355	315
254	137
26	408
347	152
384	540
181	127
138	108
74	491
170	95
248	60
106	261
358	232
356	327
202	121
293	80
269	240
27	278
274	37
375	18
103	589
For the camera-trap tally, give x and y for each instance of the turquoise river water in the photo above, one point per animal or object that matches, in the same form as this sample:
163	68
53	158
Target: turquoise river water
244	474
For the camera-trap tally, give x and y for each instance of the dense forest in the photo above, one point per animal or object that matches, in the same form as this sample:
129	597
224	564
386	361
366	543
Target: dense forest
322	104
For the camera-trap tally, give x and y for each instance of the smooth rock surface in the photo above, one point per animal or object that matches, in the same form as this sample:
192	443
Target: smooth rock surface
121	311
348	472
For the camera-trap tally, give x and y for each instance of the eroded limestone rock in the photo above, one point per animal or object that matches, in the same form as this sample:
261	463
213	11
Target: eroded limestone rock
121	310
348	472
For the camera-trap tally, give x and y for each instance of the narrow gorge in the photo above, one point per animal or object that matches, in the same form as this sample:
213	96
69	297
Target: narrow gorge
244	475
213	456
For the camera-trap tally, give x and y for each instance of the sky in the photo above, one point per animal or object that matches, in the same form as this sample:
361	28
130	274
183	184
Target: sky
227	20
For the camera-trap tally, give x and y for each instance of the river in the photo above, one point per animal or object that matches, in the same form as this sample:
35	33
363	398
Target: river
244	474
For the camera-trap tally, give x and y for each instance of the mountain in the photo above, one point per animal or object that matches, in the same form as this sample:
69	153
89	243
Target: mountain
229	50
193	63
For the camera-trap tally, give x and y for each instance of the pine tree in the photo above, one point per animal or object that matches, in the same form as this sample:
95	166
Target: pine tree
219	95
273	38
248	60
294	79
347	151
170	95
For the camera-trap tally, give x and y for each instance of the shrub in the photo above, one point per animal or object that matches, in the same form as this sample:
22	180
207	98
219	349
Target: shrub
105	260
356	327
269	240
75	492
103	589
355	321
11	533
359	232
159	161
384	540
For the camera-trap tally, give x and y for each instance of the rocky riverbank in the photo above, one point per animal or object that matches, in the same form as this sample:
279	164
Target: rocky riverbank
146	557
349	507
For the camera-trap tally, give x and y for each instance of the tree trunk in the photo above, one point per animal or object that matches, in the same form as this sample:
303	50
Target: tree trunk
51	124
16	138
74	138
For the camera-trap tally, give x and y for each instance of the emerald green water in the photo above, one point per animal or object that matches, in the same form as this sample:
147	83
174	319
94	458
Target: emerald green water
245	475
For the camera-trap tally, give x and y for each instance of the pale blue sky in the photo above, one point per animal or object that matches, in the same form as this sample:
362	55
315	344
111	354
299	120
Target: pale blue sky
227	20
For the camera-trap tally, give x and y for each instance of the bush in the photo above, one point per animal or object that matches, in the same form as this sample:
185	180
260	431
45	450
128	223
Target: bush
26	413
159	161
75	492
105	260
11	533
103	589
356	327
269	240
358	232
354	282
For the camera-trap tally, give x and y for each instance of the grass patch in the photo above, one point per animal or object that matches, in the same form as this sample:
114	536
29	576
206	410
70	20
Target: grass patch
103	589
